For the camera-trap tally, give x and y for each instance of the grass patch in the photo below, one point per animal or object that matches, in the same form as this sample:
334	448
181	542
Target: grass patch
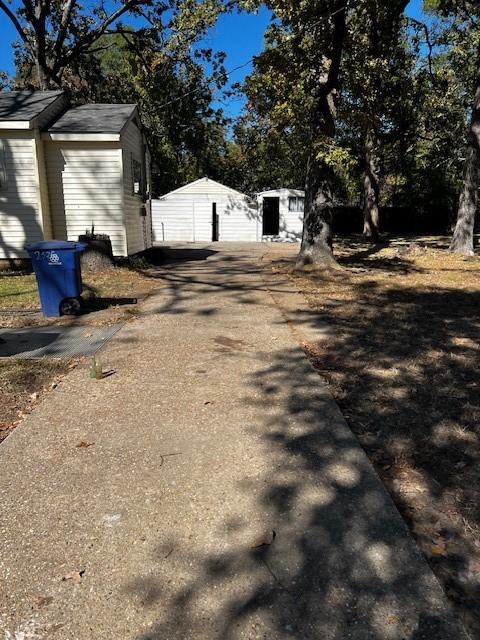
402	361
18	292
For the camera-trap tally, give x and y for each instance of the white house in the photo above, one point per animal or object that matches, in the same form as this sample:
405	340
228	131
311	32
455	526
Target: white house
205	211
281	212
65	169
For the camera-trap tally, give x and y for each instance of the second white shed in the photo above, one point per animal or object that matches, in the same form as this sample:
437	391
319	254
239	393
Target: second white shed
205	211
281	212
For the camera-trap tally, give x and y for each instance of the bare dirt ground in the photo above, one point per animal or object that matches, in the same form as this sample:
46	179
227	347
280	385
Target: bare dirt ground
111	296
24	383
402	360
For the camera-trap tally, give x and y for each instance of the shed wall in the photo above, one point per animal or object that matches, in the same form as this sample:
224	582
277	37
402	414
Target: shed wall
138	227
186	216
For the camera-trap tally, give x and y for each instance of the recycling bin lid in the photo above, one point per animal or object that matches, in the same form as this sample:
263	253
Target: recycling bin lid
56	245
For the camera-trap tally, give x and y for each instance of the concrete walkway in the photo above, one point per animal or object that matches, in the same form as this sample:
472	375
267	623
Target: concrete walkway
212	433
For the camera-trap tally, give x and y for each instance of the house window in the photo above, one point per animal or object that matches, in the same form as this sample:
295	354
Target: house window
137	177
3	166
296	204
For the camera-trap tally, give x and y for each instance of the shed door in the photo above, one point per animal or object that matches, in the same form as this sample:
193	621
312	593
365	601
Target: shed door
172	221
271	216
215	224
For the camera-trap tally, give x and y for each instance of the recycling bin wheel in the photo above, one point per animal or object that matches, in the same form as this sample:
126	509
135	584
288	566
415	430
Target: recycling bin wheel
70	306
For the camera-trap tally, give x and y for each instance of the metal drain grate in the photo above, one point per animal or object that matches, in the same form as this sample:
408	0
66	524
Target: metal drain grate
55	342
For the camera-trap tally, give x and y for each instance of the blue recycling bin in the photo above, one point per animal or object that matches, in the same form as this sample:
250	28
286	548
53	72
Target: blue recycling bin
59	279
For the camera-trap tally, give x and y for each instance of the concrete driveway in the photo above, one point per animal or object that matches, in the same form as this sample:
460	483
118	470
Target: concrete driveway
209	489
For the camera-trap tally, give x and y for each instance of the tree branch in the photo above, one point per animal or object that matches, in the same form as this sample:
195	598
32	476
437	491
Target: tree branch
62	32
339	33
16	23
428	41
84	43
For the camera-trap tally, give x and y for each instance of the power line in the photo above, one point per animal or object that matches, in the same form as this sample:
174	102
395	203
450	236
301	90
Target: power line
243	65
207	83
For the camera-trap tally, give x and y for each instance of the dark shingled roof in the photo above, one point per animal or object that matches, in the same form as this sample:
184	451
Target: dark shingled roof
93	118
25	105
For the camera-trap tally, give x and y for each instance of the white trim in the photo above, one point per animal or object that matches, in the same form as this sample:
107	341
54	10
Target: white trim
124	217
299	193
16	124
81	137
42	187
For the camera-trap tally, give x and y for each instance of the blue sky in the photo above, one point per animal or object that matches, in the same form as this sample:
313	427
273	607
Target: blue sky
239	35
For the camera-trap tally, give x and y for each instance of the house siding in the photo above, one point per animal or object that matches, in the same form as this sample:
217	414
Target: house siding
138	227
20	219
85	189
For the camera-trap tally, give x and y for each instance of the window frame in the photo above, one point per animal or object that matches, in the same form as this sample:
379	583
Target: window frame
137	171
298	202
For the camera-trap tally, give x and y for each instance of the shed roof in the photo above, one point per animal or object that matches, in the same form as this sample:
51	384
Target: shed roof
282	192
94	118
200	185
18	106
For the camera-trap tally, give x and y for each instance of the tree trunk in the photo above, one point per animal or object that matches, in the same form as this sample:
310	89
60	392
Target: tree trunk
40	59
462	241
317	245
371	187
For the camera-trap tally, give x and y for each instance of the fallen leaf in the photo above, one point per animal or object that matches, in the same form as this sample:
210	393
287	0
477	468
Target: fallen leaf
438	550
74	576
33	396
392	620
84	445
43	601
475	566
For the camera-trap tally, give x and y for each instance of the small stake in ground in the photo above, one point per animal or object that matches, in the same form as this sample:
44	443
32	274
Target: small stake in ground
96	369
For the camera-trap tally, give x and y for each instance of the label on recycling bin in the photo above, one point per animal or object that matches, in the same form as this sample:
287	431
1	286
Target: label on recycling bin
51	256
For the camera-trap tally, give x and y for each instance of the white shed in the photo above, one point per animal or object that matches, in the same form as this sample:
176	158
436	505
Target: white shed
64	170
281	212
205	211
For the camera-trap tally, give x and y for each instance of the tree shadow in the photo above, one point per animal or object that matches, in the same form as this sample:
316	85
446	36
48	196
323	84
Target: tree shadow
19	218
403	365
342	564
